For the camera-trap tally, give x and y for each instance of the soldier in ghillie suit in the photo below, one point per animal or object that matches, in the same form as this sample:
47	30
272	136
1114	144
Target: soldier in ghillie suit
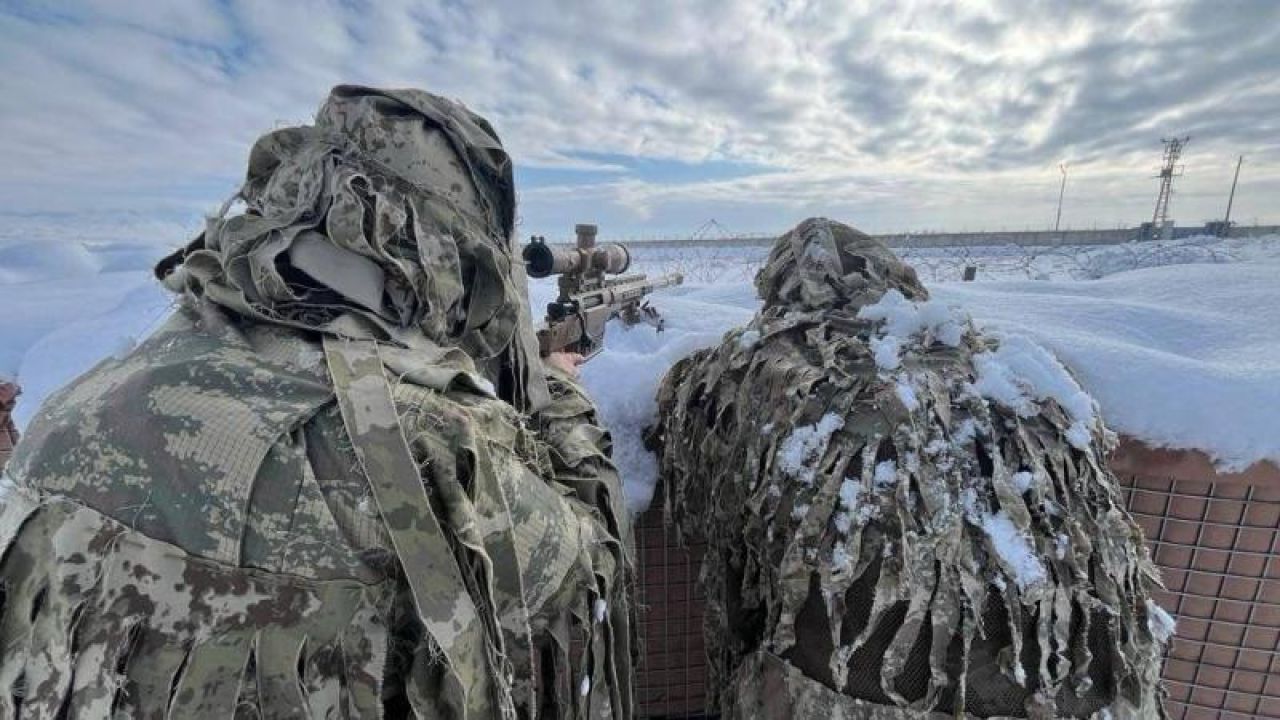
339	482
903	517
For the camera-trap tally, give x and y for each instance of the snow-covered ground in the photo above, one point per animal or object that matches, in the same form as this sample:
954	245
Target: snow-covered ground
1178	341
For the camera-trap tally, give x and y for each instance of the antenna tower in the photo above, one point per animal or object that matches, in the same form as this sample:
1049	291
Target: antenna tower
1169	170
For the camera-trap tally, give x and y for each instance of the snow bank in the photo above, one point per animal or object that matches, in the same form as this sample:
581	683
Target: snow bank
1202	249
98	330
1181	356
1178	355
89	314
34	261
1179	344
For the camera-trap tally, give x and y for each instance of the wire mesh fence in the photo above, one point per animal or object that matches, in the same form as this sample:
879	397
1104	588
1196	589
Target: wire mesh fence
722	262
672	673
1217	544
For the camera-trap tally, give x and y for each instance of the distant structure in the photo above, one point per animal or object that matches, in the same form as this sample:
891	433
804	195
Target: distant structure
1226	220
1168	171
1062	167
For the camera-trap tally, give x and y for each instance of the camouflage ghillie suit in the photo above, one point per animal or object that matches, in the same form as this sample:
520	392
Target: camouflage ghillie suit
8	431
338	482
884	540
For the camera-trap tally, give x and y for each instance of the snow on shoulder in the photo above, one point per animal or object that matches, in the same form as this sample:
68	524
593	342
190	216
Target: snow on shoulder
905	319
806	444
1019	373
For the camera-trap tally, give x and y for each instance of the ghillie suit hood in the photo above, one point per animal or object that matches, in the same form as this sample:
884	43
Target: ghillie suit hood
899	523
389	219
313	491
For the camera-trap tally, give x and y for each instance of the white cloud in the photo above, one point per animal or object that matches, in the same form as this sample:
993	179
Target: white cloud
898	116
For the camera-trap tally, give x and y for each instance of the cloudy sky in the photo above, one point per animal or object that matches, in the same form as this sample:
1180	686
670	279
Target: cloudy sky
129	120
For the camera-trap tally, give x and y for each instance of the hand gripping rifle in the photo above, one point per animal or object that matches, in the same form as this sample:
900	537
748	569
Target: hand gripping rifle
588	300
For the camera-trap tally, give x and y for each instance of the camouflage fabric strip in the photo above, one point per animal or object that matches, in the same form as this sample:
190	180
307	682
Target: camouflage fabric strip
211	681
768	686
15	507
439	591
278	651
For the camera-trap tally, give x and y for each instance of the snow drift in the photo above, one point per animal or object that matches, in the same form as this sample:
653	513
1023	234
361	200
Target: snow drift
1178	342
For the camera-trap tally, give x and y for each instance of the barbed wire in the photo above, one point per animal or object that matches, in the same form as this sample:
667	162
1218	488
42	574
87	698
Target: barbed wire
721	263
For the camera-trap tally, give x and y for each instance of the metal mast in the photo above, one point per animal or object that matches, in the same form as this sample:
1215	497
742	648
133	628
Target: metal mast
1226	222
1169	170
1061	190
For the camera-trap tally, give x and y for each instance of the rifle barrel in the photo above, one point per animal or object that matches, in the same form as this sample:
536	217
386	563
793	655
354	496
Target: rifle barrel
631	288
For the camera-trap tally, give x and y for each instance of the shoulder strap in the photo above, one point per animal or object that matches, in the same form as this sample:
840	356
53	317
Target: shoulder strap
439	591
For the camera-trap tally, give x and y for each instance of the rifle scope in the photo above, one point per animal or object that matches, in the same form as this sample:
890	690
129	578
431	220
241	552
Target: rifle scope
542	260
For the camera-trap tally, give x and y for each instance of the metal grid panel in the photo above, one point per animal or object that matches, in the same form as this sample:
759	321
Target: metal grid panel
1217	546
672	673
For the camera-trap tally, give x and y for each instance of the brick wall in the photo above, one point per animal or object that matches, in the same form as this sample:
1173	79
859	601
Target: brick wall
1216	538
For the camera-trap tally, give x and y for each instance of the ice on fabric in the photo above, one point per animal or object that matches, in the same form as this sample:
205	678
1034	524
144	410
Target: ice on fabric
907	318
886	474
1022	481
1015	550
805	444
887	351
1161	623
907	395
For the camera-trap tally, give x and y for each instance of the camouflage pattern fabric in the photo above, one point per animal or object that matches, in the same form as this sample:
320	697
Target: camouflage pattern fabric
338	482
9	393
884	540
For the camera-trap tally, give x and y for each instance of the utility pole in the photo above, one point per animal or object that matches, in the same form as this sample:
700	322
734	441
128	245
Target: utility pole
1168	171
1226	221
1061	190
